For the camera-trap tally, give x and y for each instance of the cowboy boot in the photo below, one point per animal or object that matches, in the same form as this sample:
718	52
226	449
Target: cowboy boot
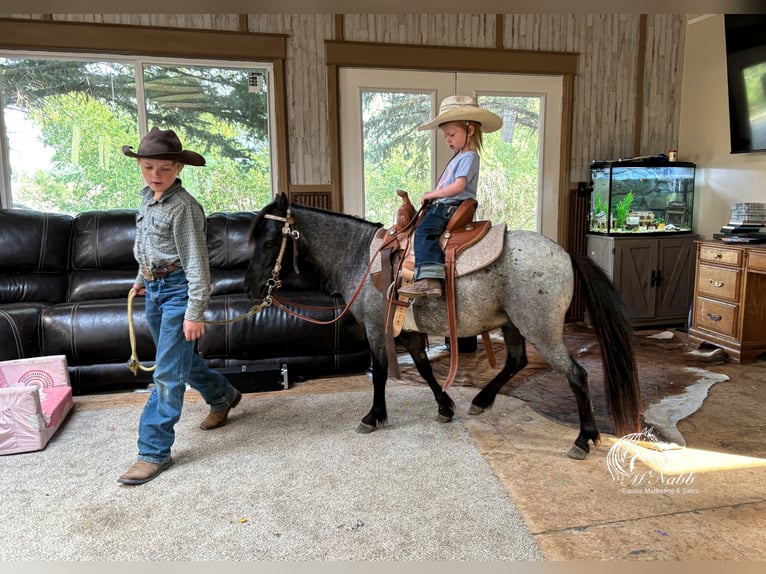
422	288
215	419
142	471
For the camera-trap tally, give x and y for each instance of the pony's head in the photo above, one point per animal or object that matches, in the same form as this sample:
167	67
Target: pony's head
270	246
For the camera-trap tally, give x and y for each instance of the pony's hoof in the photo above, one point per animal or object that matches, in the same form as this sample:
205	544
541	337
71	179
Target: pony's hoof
443	418
475	409
364	428
577	453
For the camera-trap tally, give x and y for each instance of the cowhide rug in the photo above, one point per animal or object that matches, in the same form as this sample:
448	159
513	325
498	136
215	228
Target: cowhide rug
671	374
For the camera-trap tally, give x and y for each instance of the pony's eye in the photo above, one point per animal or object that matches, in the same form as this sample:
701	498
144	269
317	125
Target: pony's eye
269	244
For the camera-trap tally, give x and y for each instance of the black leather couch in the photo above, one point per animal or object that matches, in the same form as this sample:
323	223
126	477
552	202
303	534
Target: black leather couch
64	283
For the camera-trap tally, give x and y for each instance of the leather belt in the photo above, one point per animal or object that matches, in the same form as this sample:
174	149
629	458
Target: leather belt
158	272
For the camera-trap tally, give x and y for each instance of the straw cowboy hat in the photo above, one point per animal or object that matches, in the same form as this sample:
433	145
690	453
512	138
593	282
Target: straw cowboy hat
464	108
163	144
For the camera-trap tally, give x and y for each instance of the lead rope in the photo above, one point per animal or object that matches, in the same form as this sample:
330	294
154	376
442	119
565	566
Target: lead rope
133	363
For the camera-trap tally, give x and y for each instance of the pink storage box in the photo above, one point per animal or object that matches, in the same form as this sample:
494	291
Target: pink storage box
35	398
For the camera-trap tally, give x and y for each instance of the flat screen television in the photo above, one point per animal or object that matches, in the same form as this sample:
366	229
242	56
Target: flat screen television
746	75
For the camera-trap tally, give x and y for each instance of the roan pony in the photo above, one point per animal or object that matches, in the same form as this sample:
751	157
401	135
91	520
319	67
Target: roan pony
526	293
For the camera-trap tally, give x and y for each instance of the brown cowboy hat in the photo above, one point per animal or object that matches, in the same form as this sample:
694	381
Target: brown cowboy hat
163	144
464	108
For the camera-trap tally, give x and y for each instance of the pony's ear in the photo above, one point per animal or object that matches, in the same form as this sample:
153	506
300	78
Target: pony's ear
283	202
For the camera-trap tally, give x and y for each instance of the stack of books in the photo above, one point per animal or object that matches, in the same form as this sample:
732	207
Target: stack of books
746	225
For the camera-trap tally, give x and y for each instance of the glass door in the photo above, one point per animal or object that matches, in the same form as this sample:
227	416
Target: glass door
382	150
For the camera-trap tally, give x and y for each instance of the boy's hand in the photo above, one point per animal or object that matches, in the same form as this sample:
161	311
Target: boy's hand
138	290
193	330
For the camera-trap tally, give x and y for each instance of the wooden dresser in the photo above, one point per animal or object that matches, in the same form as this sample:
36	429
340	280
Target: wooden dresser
730	299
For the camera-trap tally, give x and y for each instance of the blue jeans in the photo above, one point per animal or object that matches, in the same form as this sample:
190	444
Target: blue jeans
429	256
177	363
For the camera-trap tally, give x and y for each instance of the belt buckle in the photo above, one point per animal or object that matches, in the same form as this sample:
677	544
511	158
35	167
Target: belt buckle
147	273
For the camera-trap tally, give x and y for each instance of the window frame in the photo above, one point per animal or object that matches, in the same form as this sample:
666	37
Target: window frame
207	47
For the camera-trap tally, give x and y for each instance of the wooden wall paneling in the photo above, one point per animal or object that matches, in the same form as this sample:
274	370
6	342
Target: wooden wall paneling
306	79
640	71
333	99
564	225
662	69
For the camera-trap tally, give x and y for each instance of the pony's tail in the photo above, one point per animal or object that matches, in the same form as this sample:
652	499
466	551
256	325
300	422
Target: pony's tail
615	334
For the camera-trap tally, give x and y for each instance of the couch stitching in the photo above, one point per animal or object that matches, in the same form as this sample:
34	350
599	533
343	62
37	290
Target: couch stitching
15	331
43	237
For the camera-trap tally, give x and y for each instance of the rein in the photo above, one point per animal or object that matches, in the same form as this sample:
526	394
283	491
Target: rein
281	303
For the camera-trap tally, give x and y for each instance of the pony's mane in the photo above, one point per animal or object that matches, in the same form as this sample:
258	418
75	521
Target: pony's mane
296	206
339	215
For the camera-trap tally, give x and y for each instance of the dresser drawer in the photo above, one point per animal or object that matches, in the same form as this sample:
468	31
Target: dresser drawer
716	316
722	255
756	260
719	282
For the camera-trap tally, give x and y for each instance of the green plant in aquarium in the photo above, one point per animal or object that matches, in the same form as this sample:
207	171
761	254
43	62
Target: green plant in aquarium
622	209
600	205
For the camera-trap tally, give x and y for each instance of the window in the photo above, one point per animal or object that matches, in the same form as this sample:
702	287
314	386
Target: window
66	118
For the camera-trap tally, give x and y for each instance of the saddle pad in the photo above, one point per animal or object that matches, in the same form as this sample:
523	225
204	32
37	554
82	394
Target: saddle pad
476	257
482	253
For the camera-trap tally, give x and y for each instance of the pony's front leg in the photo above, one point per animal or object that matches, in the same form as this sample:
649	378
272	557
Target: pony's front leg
415	344
378	414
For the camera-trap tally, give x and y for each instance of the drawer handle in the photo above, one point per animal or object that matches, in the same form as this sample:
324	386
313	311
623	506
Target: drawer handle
715	283
714	317
719	255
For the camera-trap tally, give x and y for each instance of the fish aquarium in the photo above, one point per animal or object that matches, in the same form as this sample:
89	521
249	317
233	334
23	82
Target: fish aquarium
641	197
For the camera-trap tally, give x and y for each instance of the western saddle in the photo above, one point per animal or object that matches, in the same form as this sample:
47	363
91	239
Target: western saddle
397	269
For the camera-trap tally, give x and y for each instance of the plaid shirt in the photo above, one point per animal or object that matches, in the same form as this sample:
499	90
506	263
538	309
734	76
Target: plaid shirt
173	231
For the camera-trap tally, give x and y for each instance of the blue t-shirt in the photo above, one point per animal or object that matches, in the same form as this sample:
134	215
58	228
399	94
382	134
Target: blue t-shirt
464	164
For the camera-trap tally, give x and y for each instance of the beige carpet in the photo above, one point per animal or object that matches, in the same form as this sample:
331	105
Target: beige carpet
287	479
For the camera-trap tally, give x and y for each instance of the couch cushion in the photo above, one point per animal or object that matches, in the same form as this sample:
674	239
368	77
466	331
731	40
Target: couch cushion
227	235
227	239
103	266
95	332
273	333
34	241
97	285
104	240
35	255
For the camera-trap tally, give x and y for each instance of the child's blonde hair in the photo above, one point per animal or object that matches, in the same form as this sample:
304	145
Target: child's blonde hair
478	135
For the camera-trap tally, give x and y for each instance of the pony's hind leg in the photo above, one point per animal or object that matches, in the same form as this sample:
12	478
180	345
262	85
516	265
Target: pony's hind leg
577	377
515	360
551	347
415	344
